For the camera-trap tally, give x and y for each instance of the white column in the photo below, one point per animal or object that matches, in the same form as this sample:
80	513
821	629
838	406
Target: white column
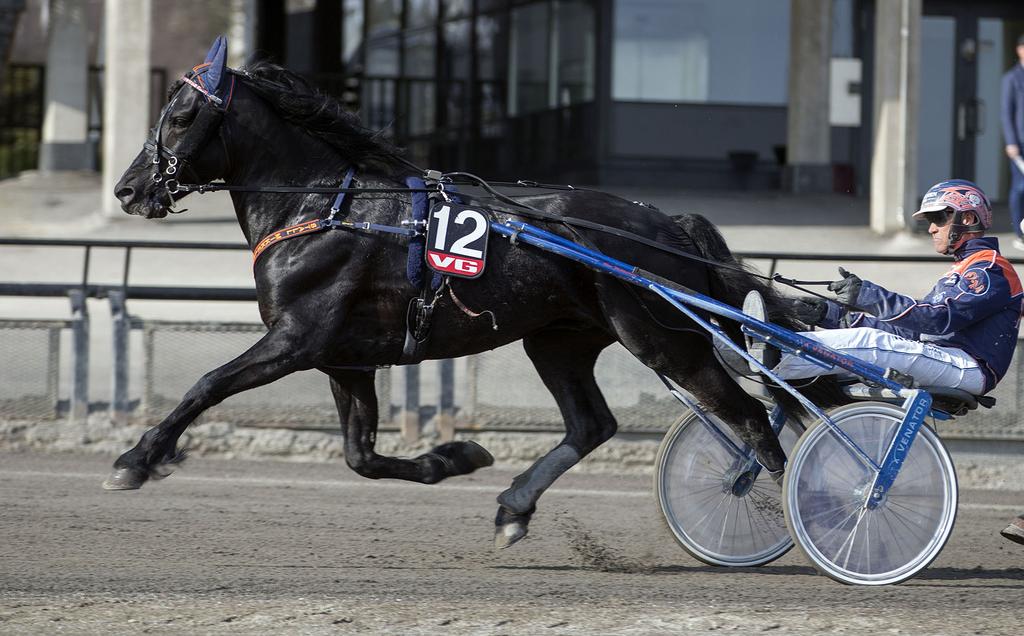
241	32
126	95
66	117
808	133
896	89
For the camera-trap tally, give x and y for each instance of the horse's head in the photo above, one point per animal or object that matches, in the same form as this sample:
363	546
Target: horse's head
182	147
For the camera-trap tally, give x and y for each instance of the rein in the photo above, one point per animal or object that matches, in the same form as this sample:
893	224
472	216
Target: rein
318	225
212	113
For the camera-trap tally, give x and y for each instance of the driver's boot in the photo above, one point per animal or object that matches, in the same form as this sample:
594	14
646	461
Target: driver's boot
753	306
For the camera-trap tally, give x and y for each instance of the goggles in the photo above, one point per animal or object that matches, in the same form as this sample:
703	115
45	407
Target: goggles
940	218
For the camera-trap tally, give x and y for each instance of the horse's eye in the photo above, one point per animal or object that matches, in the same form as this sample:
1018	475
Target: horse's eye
181	122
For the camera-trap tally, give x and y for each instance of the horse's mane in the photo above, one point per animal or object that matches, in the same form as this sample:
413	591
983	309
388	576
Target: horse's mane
322	116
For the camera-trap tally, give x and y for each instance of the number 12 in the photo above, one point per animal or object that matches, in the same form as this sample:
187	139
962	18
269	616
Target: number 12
480	227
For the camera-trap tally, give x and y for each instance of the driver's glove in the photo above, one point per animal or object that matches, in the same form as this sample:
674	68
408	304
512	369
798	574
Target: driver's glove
847	289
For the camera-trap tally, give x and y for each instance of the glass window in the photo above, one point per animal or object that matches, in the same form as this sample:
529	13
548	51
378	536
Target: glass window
421	13
490	5
379	104
456	62
419	53
420	110
384	16
492	70
491	47
528	72
457	8
576	34
456	49
382	57
731	51
352	34
842	28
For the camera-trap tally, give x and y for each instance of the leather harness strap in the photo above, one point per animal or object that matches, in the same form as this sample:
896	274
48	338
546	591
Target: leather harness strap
319	225
292	231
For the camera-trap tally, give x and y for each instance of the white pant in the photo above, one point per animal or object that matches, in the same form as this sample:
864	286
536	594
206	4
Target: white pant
928	364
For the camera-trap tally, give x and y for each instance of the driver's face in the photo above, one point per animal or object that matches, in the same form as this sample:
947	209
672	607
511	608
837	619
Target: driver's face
940	237
940	234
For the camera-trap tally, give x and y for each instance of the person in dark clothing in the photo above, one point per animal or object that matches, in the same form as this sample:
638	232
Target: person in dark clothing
1013	131
961	335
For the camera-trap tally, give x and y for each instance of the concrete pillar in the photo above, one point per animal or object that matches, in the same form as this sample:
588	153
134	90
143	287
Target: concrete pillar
896	91
65	144
241	32
808	134
126	95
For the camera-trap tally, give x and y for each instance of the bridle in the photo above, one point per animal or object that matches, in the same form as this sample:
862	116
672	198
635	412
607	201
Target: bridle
169	164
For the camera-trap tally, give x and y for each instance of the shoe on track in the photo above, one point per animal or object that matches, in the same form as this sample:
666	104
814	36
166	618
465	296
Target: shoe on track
1015	531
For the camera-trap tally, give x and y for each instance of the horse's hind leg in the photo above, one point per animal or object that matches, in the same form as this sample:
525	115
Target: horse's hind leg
356	399
274	356
719	393
565	361
687	357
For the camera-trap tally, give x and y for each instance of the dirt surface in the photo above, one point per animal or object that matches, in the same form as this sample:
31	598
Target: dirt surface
253	547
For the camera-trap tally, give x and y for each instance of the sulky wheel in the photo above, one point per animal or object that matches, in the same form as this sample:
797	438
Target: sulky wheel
713	510
826	486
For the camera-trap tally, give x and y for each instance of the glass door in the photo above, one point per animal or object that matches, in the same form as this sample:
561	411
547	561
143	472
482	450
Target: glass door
935	114
965	49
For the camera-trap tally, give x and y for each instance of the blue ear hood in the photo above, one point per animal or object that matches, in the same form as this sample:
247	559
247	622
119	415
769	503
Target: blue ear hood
217	59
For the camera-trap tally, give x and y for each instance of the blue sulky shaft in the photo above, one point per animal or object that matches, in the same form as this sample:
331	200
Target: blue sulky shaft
917	402
526	233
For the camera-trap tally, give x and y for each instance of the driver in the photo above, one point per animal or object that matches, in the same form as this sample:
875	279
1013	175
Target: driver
961	335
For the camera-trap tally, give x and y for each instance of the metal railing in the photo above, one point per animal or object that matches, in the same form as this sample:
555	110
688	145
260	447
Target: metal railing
480	408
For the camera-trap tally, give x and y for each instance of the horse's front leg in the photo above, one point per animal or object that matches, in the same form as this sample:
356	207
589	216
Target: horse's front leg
276	355
356	399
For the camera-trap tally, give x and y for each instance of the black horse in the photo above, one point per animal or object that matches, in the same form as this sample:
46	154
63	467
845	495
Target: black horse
337	300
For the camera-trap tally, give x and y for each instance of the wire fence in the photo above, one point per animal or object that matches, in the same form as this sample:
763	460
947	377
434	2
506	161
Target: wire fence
31	351
503	392
493	391
176	354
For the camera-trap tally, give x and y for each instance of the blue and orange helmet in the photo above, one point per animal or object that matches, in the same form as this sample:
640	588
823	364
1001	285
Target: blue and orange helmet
954	197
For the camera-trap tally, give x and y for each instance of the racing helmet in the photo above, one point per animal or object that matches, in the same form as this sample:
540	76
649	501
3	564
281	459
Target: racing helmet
947	201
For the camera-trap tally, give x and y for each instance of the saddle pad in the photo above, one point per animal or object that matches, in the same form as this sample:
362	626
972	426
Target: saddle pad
416	265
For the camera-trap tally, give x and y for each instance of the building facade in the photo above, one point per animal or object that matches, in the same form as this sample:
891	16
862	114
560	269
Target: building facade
876	98
687	92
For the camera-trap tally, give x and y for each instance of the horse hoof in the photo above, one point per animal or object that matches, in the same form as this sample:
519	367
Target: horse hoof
125	479
477	455
508	534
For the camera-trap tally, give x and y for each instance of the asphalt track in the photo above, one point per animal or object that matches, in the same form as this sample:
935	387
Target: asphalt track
258	547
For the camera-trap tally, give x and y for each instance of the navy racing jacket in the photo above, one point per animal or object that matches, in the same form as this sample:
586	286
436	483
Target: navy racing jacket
975	307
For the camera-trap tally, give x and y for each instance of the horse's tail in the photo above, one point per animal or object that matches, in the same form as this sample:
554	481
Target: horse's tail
731	282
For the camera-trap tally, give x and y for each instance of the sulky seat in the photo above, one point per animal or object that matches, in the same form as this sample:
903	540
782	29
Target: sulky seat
953	401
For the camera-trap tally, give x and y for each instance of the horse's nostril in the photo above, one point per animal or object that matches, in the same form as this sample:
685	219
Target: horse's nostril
125	194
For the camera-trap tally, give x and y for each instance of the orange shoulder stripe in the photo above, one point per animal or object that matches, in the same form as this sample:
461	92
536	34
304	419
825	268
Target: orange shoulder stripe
994	259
